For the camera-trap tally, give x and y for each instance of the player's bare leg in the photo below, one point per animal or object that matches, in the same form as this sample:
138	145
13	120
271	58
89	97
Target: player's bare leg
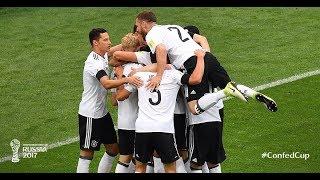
140	167
170	167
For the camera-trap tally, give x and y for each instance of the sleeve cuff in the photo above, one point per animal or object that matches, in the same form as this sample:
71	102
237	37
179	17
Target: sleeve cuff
100	74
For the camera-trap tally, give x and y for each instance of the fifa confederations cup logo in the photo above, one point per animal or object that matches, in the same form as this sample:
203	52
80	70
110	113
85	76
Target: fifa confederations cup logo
15	144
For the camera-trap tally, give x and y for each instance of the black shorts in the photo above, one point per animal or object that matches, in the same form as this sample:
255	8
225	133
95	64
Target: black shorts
94	132
180	131
162	143
207	142
126	141
213	72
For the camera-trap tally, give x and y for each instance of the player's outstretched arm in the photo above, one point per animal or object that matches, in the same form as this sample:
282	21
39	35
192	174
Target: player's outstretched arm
109	83
148	68
121	57
196	76
114	49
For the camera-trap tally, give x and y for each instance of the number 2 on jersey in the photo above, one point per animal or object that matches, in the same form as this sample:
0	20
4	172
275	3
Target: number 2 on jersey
159	98
179	33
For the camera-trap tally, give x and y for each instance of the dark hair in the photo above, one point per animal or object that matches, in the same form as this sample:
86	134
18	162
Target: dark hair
147	16
192	29
134	28
95	34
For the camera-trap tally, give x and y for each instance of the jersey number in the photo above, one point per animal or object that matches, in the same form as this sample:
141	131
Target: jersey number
159	98
179	33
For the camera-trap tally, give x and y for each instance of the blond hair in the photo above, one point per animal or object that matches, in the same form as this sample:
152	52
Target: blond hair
130	41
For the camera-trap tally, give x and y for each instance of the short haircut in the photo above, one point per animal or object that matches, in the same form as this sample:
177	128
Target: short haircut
134	29
147	16
95	34
192	29
130	41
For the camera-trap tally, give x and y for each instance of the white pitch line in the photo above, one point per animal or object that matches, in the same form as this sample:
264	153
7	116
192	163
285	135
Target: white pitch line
287	80
258	88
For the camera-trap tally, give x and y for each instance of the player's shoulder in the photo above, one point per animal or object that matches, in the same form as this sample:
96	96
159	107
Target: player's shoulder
131	65
95	58
143	52
171	25
145	75
174	70
92	56
171	76
127	68
156	29
172	73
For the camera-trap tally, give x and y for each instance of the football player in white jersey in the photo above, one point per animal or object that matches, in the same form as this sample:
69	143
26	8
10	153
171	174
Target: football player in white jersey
207	153
127	115
154	126
127	110
144	58
95	123
206	144
132	42
180	109
174	41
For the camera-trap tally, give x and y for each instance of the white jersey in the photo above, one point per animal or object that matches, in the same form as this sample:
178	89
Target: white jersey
128	108
180	107
156	108
209	115
93	102
143	57
178	43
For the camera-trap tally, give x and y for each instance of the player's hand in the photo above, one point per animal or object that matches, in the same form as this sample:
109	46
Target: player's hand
133	71
118	71
154	82
134	80
200	53
168	67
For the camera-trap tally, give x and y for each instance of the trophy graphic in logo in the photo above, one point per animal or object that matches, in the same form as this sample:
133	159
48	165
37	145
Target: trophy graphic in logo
15	144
